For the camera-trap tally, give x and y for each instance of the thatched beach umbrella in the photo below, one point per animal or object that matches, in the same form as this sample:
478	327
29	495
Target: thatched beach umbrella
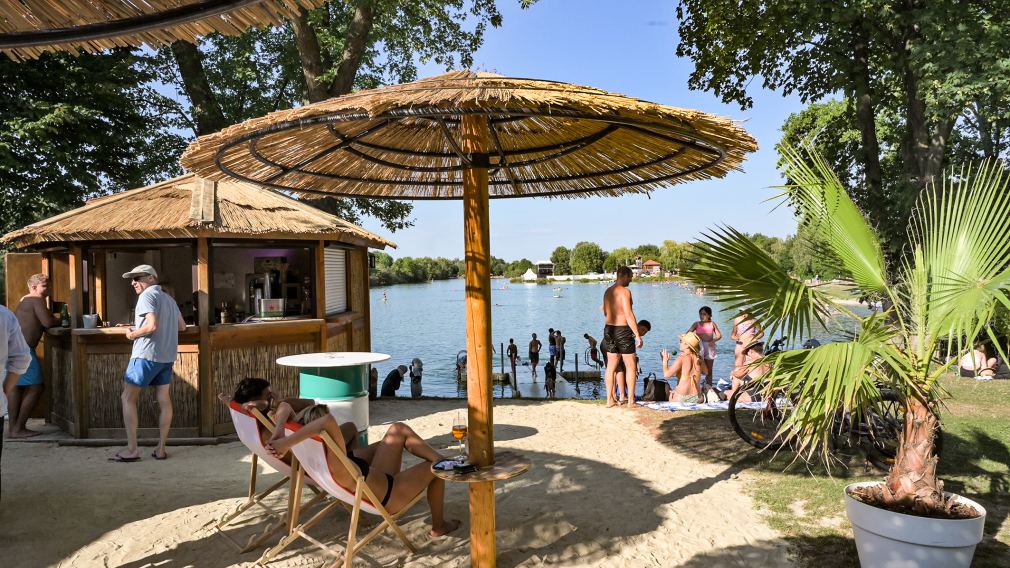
29	28
475	136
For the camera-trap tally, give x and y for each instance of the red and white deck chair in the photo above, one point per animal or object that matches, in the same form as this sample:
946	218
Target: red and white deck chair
311	455
249	425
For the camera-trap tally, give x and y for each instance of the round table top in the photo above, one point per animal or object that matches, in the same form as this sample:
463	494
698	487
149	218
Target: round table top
506	465
343	359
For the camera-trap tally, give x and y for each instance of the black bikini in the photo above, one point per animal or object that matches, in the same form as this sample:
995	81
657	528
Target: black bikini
363	466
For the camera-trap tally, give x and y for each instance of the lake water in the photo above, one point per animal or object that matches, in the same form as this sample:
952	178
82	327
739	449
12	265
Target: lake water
428	321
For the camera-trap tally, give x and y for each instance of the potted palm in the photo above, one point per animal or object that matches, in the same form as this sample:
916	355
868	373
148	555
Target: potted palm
956	271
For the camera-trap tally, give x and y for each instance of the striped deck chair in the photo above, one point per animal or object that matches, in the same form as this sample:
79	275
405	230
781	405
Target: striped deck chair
311	456
248	426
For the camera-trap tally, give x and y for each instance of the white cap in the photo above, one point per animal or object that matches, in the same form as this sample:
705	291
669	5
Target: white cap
141	270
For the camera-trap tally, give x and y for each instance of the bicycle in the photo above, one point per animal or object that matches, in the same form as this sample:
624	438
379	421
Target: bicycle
876	432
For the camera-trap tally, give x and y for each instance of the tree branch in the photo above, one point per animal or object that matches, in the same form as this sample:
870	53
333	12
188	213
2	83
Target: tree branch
206	111
354	49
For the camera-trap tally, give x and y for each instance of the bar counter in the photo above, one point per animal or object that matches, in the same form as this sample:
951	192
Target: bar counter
85	369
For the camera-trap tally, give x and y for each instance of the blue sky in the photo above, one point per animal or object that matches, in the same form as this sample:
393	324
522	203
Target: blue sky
627	47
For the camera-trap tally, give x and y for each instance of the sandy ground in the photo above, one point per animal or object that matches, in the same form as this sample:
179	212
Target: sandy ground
602	492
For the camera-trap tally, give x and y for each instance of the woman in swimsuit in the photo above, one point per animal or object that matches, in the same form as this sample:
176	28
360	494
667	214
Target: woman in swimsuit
687	368
748	370
379	463
745	330
976	363
708	331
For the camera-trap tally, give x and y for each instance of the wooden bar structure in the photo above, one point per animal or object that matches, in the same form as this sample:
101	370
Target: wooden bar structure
198	230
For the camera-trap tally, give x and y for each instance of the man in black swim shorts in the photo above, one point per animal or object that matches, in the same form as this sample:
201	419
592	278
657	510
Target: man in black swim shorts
535	347
620	390
621	335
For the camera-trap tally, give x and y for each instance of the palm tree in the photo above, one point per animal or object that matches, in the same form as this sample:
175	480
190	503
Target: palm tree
956	272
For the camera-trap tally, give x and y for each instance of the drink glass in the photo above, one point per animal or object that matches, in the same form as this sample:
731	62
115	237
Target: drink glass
459	432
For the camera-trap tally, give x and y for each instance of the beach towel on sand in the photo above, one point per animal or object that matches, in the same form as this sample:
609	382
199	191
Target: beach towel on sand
675	406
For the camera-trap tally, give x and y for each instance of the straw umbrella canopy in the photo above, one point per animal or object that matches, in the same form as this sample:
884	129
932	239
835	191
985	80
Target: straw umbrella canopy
29	28
475	136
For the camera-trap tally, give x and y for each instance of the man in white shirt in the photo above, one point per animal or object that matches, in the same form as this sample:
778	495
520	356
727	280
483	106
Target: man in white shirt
155	337
15	357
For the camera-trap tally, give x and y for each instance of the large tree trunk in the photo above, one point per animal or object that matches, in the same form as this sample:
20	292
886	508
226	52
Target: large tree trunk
912	481
206	112
310	55
867	123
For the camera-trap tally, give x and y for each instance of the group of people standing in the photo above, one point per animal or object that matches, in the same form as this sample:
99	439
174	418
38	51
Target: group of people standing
622	336
155	337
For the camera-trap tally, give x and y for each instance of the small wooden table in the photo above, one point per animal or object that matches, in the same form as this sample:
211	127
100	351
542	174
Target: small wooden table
506	466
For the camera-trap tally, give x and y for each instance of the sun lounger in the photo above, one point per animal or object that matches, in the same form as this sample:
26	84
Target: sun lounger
311	455
248	426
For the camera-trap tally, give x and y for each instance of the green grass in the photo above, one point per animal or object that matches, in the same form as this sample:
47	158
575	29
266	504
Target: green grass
804	501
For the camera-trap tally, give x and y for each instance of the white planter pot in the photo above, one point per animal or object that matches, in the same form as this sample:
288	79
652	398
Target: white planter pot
894	540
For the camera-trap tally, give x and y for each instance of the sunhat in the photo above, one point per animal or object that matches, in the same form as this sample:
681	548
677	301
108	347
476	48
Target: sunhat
692	341
141	270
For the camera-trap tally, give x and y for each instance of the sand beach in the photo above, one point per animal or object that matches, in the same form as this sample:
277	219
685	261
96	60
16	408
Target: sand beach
602	492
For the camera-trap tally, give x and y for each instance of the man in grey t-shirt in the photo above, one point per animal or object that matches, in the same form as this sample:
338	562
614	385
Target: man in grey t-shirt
155	337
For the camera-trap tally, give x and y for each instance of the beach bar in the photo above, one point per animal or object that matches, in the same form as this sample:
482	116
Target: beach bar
257	276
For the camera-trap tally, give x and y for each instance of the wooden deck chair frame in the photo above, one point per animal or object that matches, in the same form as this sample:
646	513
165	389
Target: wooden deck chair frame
363	499
282	519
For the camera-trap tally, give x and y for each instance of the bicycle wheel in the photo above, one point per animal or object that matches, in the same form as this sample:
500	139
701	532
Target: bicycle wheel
756	419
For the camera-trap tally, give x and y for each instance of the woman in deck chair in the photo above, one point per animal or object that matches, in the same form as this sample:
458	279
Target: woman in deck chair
253	392
379	463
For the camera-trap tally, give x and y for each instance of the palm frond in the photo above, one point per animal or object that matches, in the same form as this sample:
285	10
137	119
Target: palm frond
744	277
963	232
823	204
831	381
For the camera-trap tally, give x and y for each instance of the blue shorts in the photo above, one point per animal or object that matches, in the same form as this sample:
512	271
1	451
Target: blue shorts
33	376
554	350
144	373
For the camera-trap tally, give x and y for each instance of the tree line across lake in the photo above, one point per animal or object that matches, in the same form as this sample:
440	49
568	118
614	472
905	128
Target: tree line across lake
793	252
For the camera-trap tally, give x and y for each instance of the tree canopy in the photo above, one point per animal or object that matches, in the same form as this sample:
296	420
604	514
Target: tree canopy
935	74
323	53
561	258
72	128
587	257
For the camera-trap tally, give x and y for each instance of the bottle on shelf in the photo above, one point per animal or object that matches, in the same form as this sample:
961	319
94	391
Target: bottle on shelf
64	316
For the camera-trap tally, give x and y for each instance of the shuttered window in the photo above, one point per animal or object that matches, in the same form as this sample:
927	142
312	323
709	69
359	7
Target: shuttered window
336	280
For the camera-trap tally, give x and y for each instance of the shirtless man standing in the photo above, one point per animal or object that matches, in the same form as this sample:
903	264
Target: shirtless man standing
535	346
34	317
513	354
620	335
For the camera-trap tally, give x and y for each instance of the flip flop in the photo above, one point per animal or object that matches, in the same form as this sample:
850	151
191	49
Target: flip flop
154	455
124	459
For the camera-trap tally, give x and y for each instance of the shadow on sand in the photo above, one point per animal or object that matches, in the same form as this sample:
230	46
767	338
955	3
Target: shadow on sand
960	468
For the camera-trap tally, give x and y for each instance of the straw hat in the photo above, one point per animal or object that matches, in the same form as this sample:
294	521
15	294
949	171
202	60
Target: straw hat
543	138
692	341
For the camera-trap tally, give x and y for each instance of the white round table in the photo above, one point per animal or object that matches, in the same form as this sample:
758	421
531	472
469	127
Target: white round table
338	380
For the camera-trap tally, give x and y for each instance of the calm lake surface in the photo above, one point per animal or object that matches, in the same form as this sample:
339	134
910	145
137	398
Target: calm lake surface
428	321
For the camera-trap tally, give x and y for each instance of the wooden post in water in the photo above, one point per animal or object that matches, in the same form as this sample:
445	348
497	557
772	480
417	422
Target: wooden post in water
477	243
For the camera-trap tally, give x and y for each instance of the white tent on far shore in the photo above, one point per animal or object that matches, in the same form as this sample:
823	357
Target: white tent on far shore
529	275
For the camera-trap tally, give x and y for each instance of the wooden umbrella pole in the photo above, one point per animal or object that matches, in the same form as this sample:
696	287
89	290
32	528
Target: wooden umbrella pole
477	242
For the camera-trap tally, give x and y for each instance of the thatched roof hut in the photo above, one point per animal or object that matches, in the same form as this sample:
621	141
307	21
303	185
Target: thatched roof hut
188	207
256	274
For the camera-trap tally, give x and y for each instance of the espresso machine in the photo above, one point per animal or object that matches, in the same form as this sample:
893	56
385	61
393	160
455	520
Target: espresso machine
265	286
